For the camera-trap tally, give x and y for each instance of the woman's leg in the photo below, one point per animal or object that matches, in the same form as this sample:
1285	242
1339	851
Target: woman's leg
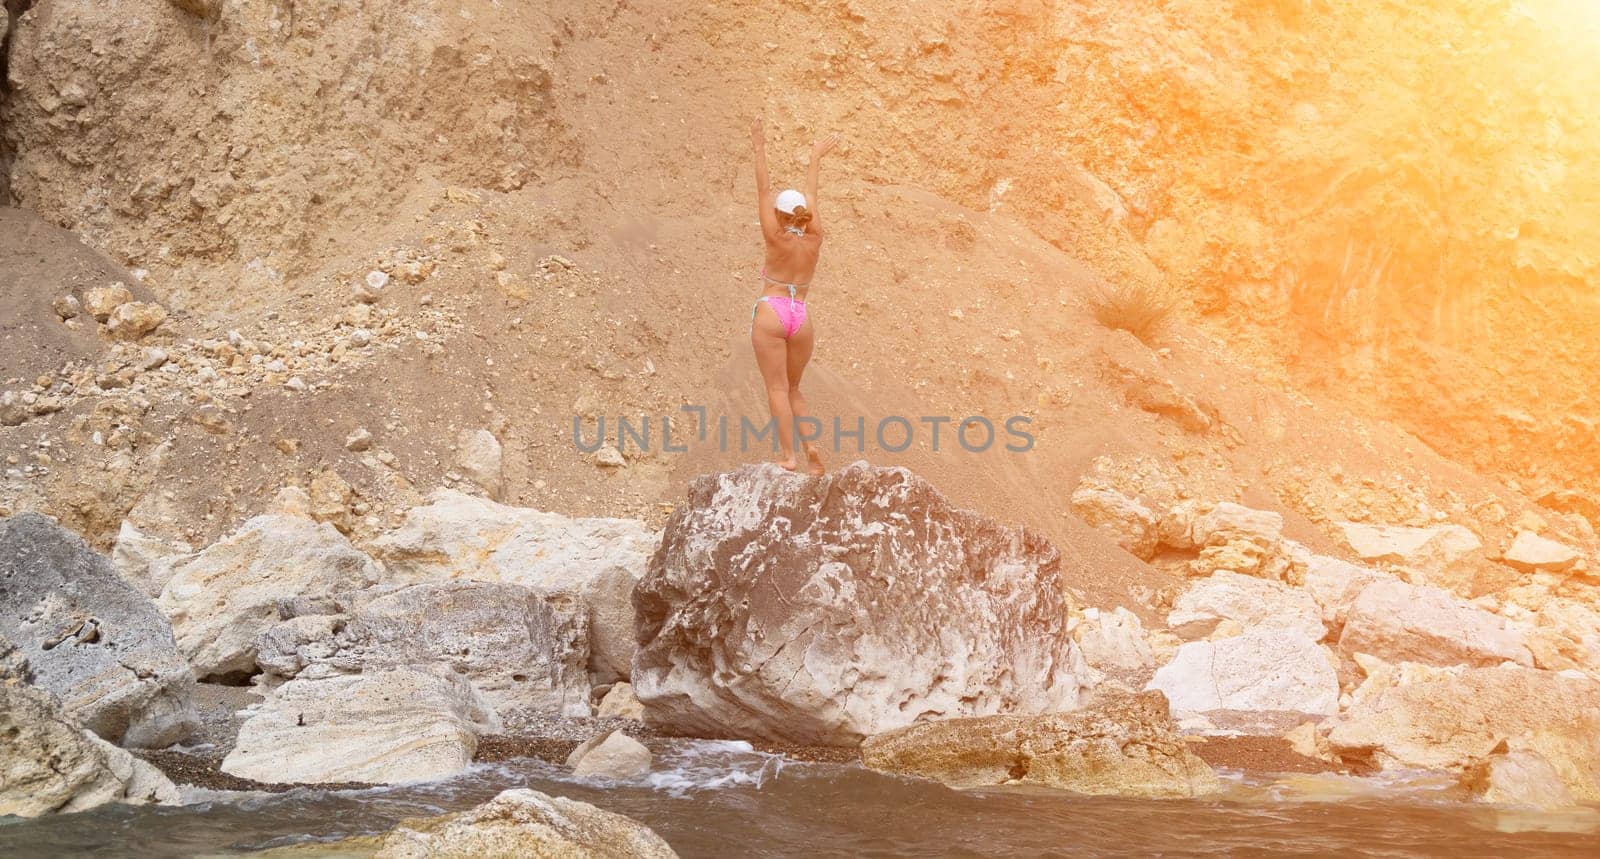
799	356
772	357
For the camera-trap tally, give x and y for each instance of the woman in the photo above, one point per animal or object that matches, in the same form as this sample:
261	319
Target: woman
780	328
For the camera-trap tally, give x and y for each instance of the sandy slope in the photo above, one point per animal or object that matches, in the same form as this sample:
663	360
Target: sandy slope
495	144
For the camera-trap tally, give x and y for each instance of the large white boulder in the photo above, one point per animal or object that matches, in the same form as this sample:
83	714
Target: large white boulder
590	565
1399	622
383	727
90	638
49	764
1251	602
822	610
1453	720
1264	670
222	598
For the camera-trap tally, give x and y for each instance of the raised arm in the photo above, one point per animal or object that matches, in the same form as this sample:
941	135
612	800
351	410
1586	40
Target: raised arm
820	148
769	217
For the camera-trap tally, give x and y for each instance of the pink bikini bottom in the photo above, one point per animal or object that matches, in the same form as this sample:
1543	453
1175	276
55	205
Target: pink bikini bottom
790	312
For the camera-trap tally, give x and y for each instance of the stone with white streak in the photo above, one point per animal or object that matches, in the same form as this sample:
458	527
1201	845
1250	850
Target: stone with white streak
1251	602
612	755
1266	670
222	598
824	609
1530	552
1399	622
384	727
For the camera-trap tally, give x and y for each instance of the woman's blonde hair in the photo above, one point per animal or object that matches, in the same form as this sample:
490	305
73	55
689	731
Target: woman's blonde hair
801	217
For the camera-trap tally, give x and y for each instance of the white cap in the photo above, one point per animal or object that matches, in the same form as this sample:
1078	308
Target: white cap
788	200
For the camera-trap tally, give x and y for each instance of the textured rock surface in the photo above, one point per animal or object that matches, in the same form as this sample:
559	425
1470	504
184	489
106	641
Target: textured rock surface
823	610
1423	548
1566	635
1128	523
611	755
511	645
525	823
583	565
1123	745
479	456
90	638
620	703
145	561
1336	584
384	727
49	764
1265	670
1450	720
1251	602
1397	622
1522	778
222	598
1113	640
1529	552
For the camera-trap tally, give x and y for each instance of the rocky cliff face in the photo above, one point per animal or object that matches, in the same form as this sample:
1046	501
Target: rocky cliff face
822	610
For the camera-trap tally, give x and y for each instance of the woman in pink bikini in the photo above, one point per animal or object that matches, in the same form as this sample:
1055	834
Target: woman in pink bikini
780	331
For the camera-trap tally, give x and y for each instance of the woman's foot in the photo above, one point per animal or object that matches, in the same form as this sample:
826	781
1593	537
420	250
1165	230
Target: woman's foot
786	464
814	461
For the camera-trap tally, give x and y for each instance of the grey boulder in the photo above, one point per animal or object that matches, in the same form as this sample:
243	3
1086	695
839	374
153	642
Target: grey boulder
91	638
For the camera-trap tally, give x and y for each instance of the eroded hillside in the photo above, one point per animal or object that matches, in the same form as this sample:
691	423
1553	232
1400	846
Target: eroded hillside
555	200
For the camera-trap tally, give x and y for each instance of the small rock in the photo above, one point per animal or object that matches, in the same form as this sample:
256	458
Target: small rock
101	300
66	306
135	319
330	499
359	440
297	384
293	501
1530	552
479	455
614	755
621	703
13	411
153	358
609	457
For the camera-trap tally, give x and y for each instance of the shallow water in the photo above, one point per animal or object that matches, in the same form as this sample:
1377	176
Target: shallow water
721	799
